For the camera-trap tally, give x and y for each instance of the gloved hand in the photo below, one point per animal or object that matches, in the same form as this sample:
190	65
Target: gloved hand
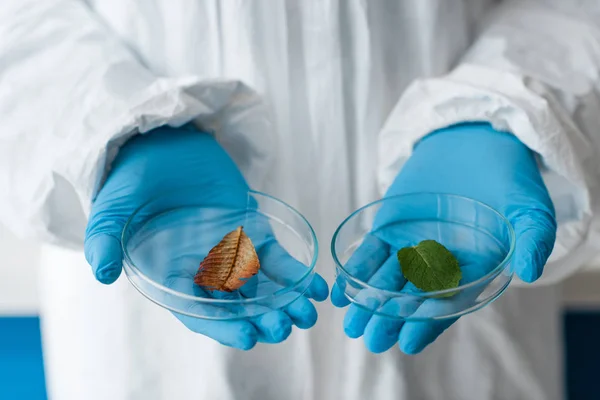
475	161
166	160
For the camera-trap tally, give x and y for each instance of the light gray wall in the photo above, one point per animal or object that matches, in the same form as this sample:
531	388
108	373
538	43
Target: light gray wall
18	275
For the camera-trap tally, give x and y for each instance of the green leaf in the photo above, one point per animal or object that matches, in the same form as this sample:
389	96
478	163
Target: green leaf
430	266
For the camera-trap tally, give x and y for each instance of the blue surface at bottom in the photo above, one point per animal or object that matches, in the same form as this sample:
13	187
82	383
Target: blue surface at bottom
22	372
582	333
21	367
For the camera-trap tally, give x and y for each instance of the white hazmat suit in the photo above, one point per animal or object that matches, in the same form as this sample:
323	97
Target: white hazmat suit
319	102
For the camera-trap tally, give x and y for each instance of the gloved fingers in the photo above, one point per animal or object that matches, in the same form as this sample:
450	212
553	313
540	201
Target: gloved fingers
273	326
240	334
300	310
416	335
363	263
355	321
535	234
280	267
387	277
182	282
381	333
338	298
318	289
103	253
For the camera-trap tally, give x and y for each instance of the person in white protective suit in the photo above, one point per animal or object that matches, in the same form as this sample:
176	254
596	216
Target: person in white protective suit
320	103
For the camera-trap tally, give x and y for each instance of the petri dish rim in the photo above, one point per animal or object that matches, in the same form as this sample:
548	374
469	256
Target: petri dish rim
280	292
490	275
457	314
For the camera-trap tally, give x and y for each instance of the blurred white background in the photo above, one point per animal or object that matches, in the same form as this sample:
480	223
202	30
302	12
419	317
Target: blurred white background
18	275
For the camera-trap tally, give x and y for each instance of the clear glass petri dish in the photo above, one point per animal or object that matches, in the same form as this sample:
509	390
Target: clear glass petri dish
165	240
364	248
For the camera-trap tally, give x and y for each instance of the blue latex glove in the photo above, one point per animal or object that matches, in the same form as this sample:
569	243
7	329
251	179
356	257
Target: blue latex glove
168	159
472	160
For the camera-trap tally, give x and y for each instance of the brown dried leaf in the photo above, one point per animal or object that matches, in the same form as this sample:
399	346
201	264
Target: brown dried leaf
229	264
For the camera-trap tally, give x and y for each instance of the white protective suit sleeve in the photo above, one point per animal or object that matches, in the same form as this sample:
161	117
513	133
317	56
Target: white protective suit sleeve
533	71
71	93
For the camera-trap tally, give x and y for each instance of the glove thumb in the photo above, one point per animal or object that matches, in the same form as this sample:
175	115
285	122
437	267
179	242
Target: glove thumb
103	252
535	234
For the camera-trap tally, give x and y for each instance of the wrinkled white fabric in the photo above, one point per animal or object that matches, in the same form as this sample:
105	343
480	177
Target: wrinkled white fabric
532	72
80	95
298	93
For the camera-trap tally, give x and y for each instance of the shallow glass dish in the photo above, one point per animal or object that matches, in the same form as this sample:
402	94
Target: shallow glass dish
164	242
364	248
